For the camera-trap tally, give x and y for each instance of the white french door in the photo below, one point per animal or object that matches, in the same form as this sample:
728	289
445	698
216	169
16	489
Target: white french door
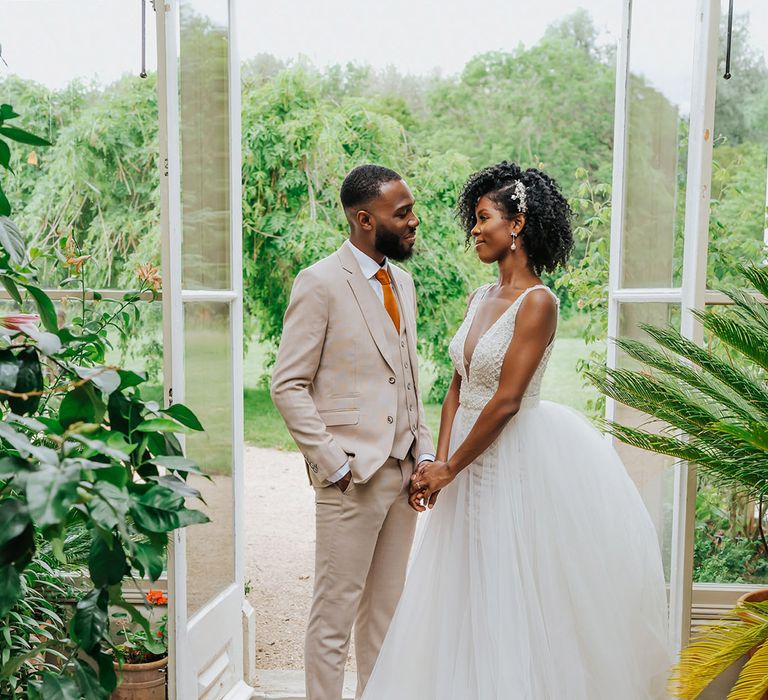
199	99
663	137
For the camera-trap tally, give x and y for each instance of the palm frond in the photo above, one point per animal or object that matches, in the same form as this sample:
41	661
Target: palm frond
746	474
713	650
758	276
685	373
748	307
753	679
747	386
746	338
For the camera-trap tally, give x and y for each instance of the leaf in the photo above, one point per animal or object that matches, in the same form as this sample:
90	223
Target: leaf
51	492
753	679
108	380
5	205
175	484
5	155
10	588
151	558
109	504
88	682
29	379
187	517
161	425
184	415
90	623
129	379
21	136
12	240
11	288
25	447
56	687
45	307
9	369
6	112
9	467
14	519
81	405
107	565
177	464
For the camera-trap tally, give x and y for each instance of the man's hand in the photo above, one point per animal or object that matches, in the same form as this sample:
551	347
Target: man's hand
343	483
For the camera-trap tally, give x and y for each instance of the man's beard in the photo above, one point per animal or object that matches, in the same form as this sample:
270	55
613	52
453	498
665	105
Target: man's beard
391	245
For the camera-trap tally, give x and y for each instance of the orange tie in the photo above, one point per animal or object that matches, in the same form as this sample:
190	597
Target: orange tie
390	303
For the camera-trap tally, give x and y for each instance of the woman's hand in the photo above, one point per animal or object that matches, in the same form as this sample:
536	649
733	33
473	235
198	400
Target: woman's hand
427	482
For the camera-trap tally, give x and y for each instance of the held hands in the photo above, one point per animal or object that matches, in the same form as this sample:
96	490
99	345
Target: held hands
427	482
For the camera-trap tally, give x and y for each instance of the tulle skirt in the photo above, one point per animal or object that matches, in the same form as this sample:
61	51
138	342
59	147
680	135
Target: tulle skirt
537	576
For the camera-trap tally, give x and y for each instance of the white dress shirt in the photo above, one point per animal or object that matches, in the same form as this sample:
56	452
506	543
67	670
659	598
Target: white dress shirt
369	267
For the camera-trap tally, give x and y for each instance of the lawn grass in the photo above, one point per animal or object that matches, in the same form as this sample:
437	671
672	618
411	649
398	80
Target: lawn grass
264	426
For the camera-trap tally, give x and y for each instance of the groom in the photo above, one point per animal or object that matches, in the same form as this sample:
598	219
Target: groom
346	384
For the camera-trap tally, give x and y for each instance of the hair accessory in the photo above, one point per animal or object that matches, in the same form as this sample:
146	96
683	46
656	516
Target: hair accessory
520	196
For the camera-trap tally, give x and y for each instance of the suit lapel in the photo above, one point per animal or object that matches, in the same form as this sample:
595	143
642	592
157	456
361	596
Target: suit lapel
372	309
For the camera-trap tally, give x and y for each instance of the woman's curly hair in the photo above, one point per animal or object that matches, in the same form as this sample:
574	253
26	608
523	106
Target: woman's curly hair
547	232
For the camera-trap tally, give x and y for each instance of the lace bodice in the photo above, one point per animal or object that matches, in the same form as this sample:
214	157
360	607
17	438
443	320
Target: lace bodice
488	356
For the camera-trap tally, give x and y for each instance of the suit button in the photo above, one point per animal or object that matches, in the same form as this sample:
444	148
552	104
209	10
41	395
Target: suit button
390	419
402	344
314	468
391	380
409	386
406	365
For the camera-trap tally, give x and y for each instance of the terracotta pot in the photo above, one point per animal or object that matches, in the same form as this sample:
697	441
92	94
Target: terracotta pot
142	681
758	596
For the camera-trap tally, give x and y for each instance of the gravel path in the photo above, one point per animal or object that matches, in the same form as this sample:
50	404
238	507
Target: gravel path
280	554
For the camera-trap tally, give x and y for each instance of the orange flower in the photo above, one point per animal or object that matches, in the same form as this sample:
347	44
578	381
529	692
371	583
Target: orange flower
149	274
156	597
73	260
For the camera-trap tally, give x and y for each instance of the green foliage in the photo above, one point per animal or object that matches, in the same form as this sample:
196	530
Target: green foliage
80	450
719	401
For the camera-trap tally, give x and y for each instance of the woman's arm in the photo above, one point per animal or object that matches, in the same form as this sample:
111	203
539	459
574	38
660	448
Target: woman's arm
534	327
447	414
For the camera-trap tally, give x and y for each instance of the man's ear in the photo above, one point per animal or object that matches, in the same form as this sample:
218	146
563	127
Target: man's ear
364	220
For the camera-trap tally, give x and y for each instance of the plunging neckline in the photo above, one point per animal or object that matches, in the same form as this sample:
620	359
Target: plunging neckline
468	365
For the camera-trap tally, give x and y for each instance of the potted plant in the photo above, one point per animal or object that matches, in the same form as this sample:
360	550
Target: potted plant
143	654
712	408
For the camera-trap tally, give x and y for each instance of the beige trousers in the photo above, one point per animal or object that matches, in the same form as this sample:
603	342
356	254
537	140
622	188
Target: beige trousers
363	541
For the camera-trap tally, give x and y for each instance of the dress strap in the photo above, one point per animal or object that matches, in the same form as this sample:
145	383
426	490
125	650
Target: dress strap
538	286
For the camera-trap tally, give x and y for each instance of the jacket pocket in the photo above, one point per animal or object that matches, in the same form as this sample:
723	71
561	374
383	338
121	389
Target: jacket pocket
340	417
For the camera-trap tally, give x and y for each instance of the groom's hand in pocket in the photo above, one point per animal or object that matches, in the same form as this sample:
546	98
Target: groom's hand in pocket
343	483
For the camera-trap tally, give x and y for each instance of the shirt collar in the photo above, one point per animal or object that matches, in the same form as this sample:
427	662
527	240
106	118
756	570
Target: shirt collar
368	266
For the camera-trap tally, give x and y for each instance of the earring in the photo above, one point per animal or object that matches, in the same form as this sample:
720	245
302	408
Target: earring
514	241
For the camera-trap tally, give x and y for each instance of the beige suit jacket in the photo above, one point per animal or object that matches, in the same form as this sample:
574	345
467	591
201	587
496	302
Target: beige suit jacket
333	378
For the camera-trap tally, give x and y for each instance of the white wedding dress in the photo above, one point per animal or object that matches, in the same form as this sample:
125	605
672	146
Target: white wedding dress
537	575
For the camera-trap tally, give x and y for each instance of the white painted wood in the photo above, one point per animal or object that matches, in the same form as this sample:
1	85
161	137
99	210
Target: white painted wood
173	312
697	204
618	189
206	650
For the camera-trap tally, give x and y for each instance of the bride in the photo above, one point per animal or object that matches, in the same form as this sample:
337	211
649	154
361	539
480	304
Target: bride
537	573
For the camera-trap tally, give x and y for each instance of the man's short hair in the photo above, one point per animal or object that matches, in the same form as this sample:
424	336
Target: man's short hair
363	183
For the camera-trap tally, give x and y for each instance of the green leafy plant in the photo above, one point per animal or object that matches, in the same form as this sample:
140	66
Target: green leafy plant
80	447
710	408
143	644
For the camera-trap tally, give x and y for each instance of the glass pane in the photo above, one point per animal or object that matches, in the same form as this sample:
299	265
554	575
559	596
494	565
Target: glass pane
208	387
660	62
77	84
652	473
737	226
204	106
